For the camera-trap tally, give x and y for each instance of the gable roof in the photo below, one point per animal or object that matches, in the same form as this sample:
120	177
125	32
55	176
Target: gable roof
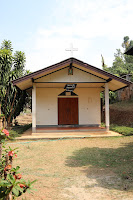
115	82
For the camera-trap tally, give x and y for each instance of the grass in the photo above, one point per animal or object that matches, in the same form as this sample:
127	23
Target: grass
124	130
73	169
104	158
17	131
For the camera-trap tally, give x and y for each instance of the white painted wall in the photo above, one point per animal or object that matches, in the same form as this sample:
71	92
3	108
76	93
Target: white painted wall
89	105
62	76
47	105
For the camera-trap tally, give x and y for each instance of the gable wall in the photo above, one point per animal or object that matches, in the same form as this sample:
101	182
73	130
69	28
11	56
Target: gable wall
47	105
62	76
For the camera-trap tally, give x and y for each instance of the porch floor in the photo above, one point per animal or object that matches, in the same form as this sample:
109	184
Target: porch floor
69	129
66	132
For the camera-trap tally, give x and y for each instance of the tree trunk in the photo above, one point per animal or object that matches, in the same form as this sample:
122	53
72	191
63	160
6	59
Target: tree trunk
8	124
9	118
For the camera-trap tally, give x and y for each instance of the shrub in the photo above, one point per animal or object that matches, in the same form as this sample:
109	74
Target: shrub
11	183
124	130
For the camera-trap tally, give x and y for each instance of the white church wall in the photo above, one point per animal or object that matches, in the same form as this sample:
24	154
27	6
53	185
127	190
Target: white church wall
89	106
62	76
47	106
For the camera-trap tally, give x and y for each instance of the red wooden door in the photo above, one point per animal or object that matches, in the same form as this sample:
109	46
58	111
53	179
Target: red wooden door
67	111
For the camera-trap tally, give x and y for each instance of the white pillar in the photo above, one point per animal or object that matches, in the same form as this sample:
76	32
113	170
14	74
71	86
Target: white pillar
34	108
107	106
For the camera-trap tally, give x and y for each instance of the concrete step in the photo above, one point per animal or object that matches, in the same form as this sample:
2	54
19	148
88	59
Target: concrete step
41	132
68	131
75	135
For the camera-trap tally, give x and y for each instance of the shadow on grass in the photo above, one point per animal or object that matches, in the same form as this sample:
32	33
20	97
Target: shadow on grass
112	168
17	131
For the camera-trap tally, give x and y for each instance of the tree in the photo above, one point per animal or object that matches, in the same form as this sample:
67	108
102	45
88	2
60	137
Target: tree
19	64
119	68
6	44
122	64
127	44
13	100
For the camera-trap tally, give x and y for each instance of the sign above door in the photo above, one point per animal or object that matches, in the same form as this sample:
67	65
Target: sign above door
69	88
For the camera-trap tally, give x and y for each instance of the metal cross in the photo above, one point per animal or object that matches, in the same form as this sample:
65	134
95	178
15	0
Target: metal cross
71	49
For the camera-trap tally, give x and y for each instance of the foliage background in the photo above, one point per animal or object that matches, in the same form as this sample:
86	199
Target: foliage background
12	66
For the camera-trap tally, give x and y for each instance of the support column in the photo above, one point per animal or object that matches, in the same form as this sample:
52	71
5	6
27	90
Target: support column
107	106
34	108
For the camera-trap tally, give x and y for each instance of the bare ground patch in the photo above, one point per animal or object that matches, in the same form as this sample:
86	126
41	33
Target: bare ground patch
97	187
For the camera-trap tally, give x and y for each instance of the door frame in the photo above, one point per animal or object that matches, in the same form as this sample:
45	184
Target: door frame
65	97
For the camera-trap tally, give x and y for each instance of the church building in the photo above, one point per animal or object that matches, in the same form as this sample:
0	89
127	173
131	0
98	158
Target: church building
68	94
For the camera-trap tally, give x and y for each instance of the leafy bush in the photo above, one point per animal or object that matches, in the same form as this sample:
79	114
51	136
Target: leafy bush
2	115
16	131
11	183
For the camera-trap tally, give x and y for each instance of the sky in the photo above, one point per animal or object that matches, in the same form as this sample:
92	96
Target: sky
43	29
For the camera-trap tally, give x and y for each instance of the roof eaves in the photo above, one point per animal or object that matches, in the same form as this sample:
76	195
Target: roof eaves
129	51
95	69
39	72
68	61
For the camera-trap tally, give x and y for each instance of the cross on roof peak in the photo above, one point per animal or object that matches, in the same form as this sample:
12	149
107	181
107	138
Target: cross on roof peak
71	49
